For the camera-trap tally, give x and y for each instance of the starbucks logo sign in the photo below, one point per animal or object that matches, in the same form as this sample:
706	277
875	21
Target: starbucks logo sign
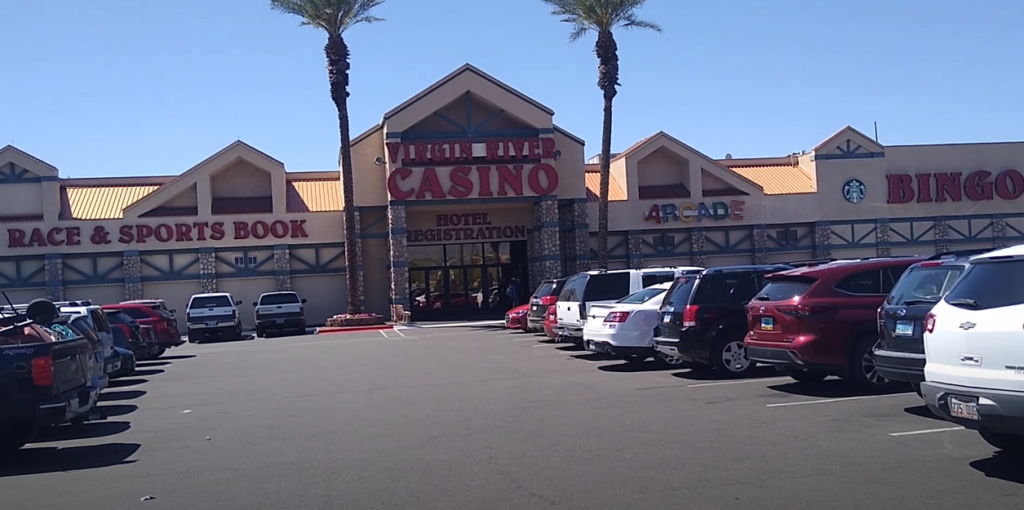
854	191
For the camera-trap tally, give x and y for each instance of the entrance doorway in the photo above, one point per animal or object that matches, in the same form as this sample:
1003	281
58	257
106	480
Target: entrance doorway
466	281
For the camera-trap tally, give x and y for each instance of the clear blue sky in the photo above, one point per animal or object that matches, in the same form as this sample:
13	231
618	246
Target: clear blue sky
145	87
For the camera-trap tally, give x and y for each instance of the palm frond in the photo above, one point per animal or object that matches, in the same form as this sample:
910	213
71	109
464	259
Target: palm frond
599	15
333	16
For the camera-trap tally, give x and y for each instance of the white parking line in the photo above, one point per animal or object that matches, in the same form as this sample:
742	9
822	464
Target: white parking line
744	381
927	431
383	334
399	332
830	400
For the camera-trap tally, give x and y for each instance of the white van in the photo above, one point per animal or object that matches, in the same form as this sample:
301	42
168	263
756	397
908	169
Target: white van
602	286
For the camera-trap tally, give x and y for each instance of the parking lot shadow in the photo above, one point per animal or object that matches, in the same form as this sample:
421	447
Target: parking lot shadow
707	374
922	411
115	396
116	410
571	348
150	364
148	372
832	388
121	383
34	461
630	368
176	357
1001	465
84	431
591	356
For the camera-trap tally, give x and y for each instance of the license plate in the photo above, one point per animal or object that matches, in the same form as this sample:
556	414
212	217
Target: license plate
211	324
904	328
534	308
667	318
767	324
279	321
112	367
963	407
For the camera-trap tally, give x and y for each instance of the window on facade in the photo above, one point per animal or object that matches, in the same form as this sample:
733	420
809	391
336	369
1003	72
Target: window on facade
247	261
787	237
664	242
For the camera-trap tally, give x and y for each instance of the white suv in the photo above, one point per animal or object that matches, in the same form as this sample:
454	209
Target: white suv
601	286
974	350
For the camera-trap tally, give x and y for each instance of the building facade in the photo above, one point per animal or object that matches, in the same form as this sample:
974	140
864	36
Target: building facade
469	185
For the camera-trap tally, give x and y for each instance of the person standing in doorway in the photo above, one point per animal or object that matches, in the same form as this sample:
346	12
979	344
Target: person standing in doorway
514	292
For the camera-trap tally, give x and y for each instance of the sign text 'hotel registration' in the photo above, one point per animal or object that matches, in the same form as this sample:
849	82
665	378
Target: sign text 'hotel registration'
462	169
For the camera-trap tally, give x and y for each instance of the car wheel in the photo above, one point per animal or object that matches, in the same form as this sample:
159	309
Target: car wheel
1009	443
862	371
917	389
261	333
805	375
670	361
730	357
160	352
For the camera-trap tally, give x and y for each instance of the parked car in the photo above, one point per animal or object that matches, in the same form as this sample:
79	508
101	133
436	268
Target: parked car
164	325
213	315
974	360
156	304
821	320
44	374
583	290
545	296
551	322
625	329
516	318
279	312
899	355
142	344
125	365
704	317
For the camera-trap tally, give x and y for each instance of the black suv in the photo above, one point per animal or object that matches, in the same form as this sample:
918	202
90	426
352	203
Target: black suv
704	316
899	355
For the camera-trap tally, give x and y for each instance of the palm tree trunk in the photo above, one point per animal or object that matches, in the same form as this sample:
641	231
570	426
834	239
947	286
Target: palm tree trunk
337	74
607	79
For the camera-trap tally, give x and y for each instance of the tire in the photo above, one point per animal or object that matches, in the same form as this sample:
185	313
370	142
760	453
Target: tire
860	369
917	389
261	333
729	357
1009	443
160	352
192	338
13	438
238	332
805	375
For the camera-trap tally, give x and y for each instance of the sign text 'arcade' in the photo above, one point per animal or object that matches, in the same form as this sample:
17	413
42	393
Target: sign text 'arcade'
689	212
491	168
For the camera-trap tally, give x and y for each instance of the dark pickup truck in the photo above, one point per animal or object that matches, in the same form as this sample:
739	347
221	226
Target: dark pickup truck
44	379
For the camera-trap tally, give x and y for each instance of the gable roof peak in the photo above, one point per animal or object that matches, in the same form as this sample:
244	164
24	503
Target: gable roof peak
11	148
847	129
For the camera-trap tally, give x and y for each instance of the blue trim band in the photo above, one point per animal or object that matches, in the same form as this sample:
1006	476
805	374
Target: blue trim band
132	279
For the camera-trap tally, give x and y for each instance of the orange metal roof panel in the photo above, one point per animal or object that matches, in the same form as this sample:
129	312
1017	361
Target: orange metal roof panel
102	202
593	180
314	196
779	179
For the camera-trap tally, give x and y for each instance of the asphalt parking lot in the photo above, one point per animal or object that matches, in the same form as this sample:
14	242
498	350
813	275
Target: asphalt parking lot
473	418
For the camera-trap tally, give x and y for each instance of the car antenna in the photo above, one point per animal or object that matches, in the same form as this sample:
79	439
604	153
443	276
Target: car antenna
2	312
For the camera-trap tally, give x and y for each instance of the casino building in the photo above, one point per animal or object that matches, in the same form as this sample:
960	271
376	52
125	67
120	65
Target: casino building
469	184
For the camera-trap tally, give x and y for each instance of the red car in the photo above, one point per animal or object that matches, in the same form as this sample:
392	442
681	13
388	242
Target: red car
551	322
516	317
822	320
164	325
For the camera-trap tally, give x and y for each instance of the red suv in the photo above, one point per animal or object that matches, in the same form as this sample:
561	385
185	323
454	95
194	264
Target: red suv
822	320
164	325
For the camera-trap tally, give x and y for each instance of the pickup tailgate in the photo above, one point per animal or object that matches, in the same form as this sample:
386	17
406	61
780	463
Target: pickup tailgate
70	360
70	364
284	311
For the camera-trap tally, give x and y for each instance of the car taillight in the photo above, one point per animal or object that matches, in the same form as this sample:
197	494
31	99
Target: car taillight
188	316
616	317
690	316
929	323
42	371
234	314
302	311
552	312
802	310
548	300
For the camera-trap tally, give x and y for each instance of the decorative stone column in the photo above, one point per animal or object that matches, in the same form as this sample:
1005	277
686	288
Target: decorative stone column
53	266
697	241
580	237
941	235
208	270
998	232
282	267
132	263
882	238
822	240
759	240
547	261
636	245
398	247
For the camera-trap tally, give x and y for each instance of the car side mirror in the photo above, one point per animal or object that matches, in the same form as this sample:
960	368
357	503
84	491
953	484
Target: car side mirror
238	303
304	301
745	303
254	304
173	312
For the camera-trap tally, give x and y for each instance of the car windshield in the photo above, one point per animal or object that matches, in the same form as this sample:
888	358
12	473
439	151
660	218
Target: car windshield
989	285
679	293
210	302
924	285
288	298
642	296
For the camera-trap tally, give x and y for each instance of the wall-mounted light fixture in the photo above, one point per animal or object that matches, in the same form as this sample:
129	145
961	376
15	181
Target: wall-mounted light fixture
379	161
558	154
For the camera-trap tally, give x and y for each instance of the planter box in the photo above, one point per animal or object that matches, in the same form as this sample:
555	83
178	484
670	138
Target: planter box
340	321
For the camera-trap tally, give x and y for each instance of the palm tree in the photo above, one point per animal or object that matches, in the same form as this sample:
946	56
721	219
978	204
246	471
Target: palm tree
602	17
335	17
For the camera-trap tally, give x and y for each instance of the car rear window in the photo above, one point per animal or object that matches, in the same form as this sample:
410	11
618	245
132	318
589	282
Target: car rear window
728	288
99	319
274	299
784	289
544	290
120	317
210	302
679	293
924	285
641	296
989	285
648	279
606	287
136	313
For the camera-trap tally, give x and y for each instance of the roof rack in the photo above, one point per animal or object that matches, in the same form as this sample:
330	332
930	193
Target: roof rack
807	263
957	254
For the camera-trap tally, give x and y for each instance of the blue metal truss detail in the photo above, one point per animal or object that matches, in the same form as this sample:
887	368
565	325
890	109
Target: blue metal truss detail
11	174
244	271
321	264
468	129
850	150
172	273
23	277
92	275
807	237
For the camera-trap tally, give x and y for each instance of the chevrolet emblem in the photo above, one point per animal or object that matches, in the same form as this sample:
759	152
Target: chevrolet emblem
967	325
